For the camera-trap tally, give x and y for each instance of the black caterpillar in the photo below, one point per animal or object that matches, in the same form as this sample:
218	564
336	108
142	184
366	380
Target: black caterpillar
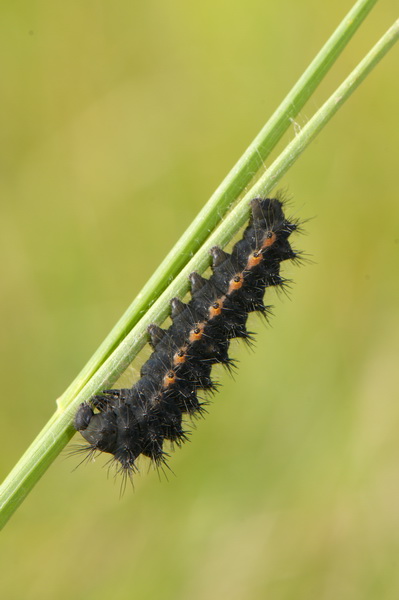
130	422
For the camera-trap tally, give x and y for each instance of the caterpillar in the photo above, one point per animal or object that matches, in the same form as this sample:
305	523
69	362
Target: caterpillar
127	423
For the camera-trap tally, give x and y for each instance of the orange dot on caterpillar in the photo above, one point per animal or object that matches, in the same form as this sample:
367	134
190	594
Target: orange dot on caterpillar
180	356
169	378
254	259
235	283
197	332
269	239
216	308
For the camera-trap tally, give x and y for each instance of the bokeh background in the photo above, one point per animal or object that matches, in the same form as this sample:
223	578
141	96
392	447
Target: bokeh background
118	121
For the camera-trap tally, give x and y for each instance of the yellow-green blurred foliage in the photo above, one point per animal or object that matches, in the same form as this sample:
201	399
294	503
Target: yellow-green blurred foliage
117	121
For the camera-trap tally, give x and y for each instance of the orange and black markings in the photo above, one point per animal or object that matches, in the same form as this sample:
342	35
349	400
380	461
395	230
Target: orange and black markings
196	333
235	283
216	308
180	356
169	378
254	259
269	239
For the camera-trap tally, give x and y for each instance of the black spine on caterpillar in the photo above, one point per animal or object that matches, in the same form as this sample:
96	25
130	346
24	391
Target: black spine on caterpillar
130	422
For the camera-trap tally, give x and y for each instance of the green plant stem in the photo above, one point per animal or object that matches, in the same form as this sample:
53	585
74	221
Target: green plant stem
59	430
245	170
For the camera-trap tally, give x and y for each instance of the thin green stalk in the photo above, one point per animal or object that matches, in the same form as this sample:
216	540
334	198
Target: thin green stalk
59	430
245	170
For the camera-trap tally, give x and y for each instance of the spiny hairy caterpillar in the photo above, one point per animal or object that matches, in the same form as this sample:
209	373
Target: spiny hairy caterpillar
133	421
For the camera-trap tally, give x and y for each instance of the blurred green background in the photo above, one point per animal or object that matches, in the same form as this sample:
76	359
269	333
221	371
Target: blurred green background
118	120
